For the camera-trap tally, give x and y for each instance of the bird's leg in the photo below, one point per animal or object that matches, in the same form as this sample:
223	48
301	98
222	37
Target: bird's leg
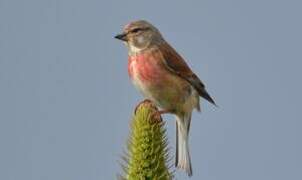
157	114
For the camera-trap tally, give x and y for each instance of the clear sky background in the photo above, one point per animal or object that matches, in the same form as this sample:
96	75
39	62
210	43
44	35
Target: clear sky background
66	99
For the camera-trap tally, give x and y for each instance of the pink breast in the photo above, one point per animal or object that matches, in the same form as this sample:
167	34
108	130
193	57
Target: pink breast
145	67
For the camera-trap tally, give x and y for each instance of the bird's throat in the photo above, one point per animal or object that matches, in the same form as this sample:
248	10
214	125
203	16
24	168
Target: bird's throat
135	50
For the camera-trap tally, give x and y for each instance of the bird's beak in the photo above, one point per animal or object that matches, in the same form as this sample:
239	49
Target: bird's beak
122	37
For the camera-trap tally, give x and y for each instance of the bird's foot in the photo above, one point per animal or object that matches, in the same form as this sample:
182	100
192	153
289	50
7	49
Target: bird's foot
144	101
157	114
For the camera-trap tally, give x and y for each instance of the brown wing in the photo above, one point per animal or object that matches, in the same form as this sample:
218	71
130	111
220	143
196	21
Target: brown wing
176	64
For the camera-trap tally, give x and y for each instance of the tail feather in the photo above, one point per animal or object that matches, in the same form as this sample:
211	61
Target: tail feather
183	159
203	93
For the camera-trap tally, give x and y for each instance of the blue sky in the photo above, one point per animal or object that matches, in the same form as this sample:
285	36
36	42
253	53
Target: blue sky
66	99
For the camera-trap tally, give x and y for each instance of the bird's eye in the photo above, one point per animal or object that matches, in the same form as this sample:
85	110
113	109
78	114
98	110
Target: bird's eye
136	30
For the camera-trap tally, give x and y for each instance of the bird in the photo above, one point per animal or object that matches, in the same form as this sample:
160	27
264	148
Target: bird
162	76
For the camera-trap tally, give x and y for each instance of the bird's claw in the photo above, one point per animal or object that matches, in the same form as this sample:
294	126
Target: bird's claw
137	106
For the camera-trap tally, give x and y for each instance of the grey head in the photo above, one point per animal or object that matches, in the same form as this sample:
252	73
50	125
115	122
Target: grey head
139	35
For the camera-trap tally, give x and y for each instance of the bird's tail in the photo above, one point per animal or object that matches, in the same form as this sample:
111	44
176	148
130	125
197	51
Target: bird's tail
183	159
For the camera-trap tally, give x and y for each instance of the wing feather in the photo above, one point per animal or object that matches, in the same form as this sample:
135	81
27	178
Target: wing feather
176	64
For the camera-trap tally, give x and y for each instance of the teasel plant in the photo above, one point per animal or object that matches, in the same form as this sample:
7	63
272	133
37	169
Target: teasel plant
147	156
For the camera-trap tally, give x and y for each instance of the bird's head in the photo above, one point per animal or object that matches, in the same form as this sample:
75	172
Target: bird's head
139	35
